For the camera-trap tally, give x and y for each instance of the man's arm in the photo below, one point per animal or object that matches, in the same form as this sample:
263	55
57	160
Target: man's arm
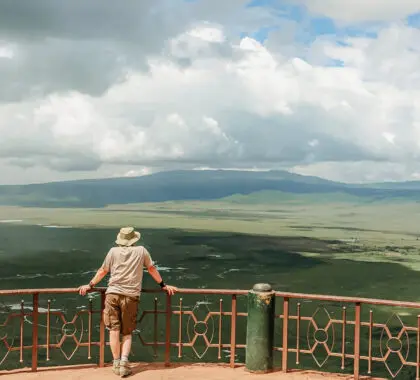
155	274
100	274
148	263
171	290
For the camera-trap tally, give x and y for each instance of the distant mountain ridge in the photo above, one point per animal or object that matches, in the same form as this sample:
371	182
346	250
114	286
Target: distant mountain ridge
192	185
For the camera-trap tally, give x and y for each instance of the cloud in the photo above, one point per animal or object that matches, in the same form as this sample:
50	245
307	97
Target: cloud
190	92
6	51
361	10
363	171
87	46
137	173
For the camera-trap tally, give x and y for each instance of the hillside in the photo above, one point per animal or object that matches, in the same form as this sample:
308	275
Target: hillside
187	185
272	197
406	185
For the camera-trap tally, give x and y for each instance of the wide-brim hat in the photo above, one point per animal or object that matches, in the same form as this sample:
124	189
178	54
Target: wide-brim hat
127	236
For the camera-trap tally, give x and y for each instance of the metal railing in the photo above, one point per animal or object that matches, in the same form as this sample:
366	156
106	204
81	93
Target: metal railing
218	332
69	330
319	336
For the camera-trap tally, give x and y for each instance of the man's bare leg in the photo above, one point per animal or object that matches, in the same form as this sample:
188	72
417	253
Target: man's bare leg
126	346
125	351
114	342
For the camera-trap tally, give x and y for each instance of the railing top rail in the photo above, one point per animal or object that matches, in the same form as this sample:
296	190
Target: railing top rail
355	300
315	297
12	292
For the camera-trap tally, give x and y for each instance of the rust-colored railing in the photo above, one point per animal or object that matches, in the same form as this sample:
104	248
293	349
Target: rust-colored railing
390	343
23	316
370	342
70	330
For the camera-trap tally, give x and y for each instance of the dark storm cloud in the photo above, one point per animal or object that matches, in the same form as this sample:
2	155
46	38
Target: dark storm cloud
87	46
59	65
142	21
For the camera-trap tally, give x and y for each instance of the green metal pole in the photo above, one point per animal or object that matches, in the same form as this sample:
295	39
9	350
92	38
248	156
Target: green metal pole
260	329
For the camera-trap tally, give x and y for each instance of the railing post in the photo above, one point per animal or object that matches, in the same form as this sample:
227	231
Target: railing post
102	342
22	325
168	331
418	349
260	329
285	348
357	341
233	331
35	316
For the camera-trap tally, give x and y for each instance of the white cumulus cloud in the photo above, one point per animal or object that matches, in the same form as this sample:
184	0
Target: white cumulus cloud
362	10
209	98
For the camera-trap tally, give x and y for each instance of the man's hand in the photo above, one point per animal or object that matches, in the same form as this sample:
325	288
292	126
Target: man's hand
171	290
84	289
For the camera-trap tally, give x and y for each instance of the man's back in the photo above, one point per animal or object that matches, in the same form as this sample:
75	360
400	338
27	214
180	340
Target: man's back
126	267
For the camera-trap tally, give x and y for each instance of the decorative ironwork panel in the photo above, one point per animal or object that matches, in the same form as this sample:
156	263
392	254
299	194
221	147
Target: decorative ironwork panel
50	328
199	328
391	347
321	334
7	339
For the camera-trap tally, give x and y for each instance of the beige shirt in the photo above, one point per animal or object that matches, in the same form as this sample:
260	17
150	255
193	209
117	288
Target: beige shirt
126	266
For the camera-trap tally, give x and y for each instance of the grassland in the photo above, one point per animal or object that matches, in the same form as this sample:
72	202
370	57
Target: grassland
368	232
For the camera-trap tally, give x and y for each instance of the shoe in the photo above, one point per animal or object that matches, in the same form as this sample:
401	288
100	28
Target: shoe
116	367
125	369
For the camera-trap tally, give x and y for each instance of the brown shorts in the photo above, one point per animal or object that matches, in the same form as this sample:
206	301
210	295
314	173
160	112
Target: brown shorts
120	313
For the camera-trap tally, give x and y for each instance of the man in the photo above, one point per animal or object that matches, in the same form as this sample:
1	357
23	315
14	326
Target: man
126	263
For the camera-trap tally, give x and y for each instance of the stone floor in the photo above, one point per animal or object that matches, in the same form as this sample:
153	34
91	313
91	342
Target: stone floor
144	371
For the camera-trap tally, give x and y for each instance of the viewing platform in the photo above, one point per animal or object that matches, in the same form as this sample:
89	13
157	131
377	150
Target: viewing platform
145	371
211	334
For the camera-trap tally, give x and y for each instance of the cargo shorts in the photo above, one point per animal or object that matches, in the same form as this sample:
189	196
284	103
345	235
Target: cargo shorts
120	313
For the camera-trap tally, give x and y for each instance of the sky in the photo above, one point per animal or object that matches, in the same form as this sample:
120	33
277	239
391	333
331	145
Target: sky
101	88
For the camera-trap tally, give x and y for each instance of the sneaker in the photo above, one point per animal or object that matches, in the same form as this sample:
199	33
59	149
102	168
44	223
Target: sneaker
125	368
116	367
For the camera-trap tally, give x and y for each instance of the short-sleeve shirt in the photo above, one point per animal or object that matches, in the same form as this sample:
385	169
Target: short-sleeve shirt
126	265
